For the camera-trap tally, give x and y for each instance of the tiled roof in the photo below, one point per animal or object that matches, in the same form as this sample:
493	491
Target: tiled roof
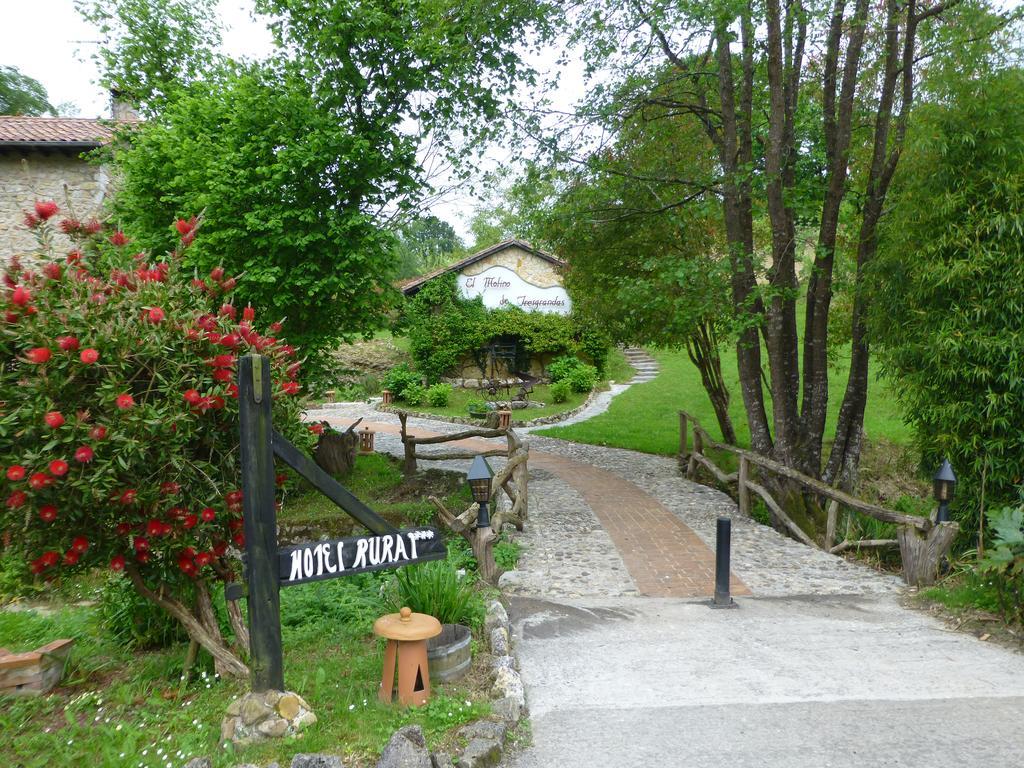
53	131
413	284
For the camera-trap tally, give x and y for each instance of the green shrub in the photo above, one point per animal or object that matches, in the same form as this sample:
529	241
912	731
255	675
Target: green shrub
439	394
583	378
506	555
414	394
16	578
560	391
1004	561
435	588
398	379
132	621
562	367
477	406
354	601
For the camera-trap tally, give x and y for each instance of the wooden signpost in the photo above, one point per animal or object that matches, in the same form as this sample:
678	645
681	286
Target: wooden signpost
268	569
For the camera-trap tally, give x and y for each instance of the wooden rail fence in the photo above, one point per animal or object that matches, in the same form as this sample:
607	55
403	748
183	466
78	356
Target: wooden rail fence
921	540
512	480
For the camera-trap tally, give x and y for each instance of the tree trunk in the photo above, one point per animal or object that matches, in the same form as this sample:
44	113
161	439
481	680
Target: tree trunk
702	349
226	661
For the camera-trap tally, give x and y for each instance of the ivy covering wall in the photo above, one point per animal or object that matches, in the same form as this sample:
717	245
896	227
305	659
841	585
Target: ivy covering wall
445	329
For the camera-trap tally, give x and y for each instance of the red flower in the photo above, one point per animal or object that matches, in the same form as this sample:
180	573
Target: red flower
39	480
67	343
123	529
52	271
184	227
316	429
203	559
79	544
170	489
249	314
292	370
38	355
21	296
141	544
156	315
187	566
276	327
48	513
233	390
229	284
227	310
58	467
186	239
192	396
219	548
119	238
70	226
31	220
70	557
99	432
16	500
50	558
142	557
92	226
230	340
73	257
233	499
217	402
154	528
15	472
291	387
128	496
124	401
216	274
46	208
89	356
117	563
54	419
239	539
37	567
221	361
84	454
222	374
281	479
208	514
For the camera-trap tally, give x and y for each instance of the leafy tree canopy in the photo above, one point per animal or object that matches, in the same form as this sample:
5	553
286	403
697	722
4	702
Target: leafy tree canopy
426	243
22	95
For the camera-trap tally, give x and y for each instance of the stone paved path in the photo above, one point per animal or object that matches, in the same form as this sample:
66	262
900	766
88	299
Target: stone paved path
819	666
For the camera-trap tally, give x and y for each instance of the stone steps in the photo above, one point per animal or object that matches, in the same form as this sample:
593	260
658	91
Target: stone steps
646	367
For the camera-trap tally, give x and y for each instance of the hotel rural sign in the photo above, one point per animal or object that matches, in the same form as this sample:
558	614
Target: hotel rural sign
268	568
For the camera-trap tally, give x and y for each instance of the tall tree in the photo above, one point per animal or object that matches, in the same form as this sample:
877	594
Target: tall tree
22	95
426	243
149	49
747	73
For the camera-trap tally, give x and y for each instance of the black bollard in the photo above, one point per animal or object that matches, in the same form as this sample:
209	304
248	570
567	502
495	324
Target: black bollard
722	547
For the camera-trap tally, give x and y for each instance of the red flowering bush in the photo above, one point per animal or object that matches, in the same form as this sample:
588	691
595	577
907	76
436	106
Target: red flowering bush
119	419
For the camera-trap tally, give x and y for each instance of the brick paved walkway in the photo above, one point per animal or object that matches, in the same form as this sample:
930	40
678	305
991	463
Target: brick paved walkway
664	557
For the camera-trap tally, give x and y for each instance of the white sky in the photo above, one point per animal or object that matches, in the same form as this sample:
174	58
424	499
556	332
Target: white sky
47	40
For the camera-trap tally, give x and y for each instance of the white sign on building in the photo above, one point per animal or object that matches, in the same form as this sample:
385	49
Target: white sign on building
501	287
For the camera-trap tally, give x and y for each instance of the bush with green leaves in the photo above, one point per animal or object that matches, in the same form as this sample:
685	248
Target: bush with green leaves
414	394
948	288
119	429
438	395
1003	562
583	379
437	589
560	368
398	379
560	391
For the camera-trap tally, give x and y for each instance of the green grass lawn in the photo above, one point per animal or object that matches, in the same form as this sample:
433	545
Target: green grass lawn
120	706
645	417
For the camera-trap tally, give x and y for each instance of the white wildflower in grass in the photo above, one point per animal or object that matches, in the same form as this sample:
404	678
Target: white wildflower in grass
119	727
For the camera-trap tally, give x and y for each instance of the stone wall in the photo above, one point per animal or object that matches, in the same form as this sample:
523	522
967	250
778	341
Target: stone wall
531	268
32	175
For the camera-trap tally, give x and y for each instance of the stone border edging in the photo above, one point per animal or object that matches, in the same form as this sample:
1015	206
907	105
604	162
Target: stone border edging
540	422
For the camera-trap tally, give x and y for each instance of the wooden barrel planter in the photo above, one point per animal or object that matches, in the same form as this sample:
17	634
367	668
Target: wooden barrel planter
449	655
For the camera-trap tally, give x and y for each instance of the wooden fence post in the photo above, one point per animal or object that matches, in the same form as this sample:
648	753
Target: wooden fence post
260	521
409	444
830	526
682	434
743	492
698	449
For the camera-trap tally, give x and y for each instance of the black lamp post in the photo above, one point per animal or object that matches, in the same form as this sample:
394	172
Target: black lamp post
944	484
479	477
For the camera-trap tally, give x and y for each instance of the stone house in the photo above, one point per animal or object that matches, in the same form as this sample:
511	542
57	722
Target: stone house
41	158
510	273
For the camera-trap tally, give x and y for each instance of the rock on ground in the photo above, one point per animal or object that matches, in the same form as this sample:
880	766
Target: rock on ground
407	748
